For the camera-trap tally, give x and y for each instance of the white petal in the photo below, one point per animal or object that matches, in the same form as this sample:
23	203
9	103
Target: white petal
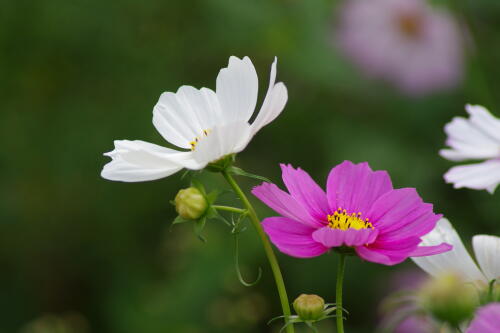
237	87
136	161
479	176
273	104
482	119
221	141
468	142
457	260
181	117
487	250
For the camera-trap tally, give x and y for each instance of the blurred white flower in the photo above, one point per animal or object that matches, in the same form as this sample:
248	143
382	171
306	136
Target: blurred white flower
458	260
405	42
475	138
207	125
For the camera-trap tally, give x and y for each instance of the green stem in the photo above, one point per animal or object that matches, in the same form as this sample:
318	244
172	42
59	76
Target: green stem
338	301
230	209
271	257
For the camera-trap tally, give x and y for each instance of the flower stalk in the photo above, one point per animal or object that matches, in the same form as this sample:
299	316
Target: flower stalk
338	293
230	209
271	257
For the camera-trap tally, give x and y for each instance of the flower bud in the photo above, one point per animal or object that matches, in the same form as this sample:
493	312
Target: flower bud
449	299
190	203
309	307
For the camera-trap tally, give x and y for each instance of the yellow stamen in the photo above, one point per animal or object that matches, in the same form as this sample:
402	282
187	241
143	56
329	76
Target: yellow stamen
341	220
197	139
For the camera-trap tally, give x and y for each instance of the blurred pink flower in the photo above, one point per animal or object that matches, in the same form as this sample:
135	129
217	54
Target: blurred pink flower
360	210
487	319
416	324
405	42
476	138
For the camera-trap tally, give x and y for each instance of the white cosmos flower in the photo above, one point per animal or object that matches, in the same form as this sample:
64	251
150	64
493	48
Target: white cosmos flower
204	124
458	260
476	138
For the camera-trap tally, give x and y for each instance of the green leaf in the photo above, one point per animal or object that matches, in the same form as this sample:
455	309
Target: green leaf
240	172
198	228
185	174
195	183
214	214
180	219
211	213
212	196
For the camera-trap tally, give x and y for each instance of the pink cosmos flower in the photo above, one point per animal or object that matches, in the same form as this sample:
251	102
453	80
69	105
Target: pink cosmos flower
408	43
487	319
360	210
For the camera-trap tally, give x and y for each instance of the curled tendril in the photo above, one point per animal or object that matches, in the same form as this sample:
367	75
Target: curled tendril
237	266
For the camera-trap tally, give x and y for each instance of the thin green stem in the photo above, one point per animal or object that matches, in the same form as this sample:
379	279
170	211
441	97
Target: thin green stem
271	257
230	209
338	293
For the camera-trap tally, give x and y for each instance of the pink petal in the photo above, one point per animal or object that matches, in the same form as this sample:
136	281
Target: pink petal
305	190
401	213
424	251
351	237
373	256
284	204
355	187
486	319
390	252
292	237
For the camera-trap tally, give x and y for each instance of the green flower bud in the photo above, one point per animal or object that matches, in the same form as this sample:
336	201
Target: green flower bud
190	203
309	307
449	299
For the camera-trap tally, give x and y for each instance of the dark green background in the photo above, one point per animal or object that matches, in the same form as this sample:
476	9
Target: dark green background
75	75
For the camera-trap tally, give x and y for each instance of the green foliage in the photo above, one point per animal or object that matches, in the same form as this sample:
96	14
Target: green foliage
76	75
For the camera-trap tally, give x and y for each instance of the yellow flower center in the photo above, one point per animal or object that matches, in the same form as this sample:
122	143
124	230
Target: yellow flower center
197	139
343	221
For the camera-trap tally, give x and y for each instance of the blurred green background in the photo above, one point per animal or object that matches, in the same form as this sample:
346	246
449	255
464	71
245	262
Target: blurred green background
82	254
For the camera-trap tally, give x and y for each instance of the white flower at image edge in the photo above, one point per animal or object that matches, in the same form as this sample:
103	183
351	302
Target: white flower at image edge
476	138
458	260
204	124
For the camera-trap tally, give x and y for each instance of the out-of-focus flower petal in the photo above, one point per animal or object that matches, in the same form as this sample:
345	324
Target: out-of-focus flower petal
415	47
487	319
458	260
478	176
487	250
